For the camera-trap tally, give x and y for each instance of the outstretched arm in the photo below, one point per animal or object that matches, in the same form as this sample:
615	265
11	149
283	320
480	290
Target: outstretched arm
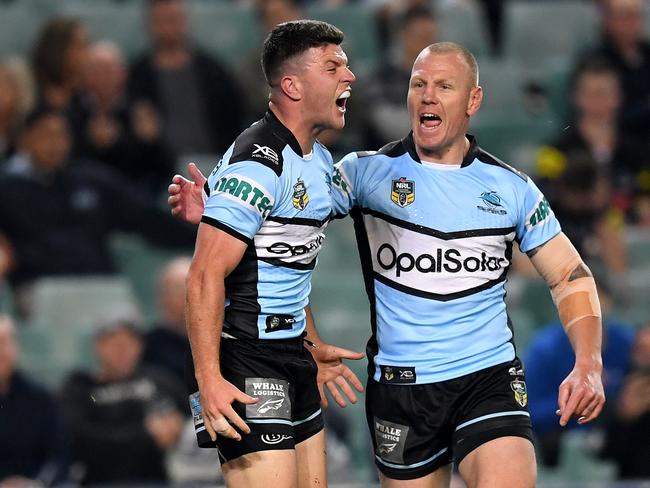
331	369
574	293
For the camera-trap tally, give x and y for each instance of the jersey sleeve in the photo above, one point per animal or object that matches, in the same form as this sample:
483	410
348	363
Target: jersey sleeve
239	198
344	181
536	223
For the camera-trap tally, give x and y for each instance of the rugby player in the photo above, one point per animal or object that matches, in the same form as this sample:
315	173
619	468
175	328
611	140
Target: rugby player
436	219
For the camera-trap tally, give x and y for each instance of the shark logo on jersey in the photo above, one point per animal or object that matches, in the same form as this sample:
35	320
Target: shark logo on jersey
521	394
402	192
492	202
300	197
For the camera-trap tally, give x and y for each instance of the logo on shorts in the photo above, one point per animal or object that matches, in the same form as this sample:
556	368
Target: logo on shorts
397	374
521	394
273	398
402	192
492	202
273	439
391	439
300	197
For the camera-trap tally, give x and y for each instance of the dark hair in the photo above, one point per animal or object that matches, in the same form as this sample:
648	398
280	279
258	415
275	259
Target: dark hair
290	39
48	56
415	13
596	65
38	114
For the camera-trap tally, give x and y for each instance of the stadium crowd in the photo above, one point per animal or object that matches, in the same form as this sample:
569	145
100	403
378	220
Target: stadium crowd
91	134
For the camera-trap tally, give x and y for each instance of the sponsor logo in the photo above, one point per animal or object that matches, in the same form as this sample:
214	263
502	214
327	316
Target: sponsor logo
521	394
300	198
541	212
273	398
390	439
247	191
402	192
270	405
286	249
272	439
279	322
339	182
492	203
265	152
397	374
195	407
451	261
216	168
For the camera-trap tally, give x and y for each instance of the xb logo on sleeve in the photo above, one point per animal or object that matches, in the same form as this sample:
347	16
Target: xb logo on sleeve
402	192
265	152
300	198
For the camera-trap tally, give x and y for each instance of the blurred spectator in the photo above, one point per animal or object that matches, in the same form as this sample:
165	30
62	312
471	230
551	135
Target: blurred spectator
386	116
255	88
628	429
641	203
594	135
123	418
33	445
195	95
57	215
166	345
127	138
549	359
624	46
58	62
10	111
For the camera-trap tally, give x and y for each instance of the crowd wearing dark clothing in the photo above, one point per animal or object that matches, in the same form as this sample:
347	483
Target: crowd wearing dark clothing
166	349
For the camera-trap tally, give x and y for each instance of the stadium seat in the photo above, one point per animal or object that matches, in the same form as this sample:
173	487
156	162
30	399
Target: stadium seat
462	22
226	30
537	33
19	25
357	23
81	302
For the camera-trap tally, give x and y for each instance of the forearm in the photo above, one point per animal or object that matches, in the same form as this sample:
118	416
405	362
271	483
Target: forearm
205	314
310	327
586	339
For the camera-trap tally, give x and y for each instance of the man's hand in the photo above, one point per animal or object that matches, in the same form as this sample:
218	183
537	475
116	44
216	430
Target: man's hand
186	196
332	371
165	428
634	399
581	394
217	397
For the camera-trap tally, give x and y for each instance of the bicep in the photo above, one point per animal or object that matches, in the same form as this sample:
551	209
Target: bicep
216	252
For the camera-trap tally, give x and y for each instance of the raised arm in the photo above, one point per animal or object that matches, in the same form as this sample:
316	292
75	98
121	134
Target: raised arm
574	293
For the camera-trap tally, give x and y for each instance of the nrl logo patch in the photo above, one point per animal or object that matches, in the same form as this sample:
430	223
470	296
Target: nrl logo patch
402	192
521	394
300	197
388	373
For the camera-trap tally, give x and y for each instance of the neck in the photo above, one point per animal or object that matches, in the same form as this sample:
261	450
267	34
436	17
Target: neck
4	385
305	134
452	154
172	56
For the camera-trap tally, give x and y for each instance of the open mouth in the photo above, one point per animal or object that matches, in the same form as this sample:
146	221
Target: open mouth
430	120
342	100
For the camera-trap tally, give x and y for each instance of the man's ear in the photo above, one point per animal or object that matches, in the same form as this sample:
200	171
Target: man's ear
475	99
292	87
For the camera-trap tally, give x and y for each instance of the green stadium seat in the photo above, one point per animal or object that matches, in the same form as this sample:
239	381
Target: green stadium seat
539	32
463	23
358	25
121	22
226	30
19	25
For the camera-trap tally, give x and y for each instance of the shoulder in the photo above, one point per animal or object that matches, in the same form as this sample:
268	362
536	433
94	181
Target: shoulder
498	165
260	145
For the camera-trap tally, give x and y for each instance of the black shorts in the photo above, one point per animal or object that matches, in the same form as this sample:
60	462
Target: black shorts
417	429
282	375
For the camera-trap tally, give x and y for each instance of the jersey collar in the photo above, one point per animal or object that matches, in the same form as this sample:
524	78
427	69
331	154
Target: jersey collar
282	132
471	155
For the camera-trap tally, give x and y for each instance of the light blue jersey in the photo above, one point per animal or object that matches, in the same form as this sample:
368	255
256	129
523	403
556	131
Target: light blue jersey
436	245
267	194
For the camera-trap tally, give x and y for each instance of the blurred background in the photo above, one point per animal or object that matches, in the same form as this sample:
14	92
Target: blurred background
102	101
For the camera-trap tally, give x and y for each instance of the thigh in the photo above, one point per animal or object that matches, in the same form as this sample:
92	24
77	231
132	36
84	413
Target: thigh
410	433
440	478
311	462
505	461
262	469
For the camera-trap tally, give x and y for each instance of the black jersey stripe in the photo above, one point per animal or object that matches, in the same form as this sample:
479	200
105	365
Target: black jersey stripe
299	266
462	234
441	297
228	230
300	221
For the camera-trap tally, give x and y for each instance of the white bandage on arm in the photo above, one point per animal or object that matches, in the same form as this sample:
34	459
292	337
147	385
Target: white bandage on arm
572	287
